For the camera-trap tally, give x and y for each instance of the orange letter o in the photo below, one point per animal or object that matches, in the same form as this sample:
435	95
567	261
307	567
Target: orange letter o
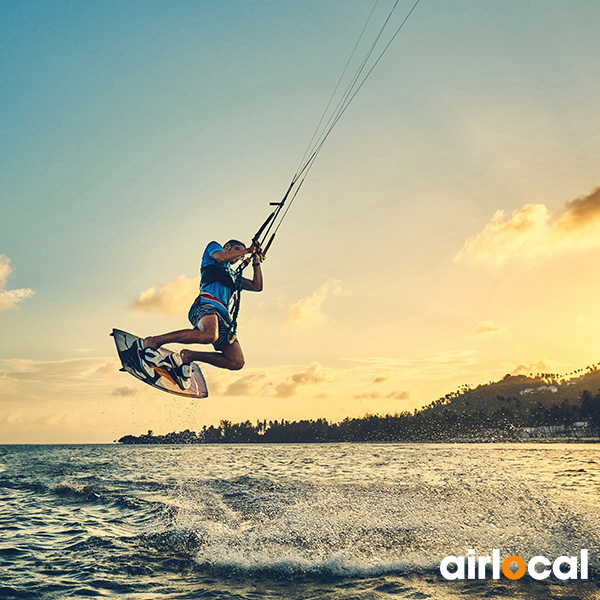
519	572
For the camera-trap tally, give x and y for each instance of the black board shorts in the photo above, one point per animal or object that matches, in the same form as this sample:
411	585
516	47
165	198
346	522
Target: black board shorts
202	309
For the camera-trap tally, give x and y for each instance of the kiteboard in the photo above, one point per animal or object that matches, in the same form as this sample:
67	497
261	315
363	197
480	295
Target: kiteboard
160	376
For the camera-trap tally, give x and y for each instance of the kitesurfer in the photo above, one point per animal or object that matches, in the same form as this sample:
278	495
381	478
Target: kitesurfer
210	313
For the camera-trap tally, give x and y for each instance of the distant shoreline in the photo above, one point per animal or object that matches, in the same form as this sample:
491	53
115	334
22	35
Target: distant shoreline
379	442
592	440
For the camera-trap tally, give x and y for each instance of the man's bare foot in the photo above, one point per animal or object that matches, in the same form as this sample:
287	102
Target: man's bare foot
185	357
149	343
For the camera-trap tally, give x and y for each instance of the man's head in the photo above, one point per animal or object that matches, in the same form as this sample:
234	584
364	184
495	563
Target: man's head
233	245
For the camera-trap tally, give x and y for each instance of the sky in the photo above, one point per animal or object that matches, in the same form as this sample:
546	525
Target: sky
448	233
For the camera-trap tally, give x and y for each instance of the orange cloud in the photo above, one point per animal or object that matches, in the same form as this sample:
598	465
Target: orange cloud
541	366
397	395
174	298
533	233
313	374
309	311
488	328
248	385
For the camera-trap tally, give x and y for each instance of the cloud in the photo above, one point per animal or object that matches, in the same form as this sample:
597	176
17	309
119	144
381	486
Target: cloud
124	391
273	382
541	366
249	385
308	311
20	418
174	298
283	382
10	298
13	417
533	233
313	374
397	395
8	385
368	396
81	370
488	328
5	269
64	418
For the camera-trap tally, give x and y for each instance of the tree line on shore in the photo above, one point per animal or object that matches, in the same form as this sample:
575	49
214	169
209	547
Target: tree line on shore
430	424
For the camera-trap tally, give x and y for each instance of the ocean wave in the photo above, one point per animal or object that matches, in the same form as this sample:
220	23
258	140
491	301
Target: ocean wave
261	528
88	493
289	565
285	563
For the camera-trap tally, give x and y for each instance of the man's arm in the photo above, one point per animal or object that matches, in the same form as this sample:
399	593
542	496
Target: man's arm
256	283
228	256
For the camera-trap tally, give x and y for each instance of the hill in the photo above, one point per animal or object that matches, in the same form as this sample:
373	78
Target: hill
520	393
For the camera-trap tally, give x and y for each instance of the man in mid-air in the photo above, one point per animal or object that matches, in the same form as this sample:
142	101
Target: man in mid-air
210	314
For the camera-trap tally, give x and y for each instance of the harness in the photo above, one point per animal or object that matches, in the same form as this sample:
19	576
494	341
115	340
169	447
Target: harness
220	274
217	274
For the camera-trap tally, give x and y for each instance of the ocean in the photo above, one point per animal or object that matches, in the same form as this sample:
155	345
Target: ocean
270	522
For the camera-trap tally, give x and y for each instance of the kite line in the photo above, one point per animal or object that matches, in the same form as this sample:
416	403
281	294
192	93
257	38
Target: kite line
380	45
373	55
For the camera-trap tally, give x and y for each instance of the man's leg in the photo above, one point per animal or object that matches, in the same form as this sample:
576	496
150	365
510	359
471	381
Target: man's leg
206	332
231	357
